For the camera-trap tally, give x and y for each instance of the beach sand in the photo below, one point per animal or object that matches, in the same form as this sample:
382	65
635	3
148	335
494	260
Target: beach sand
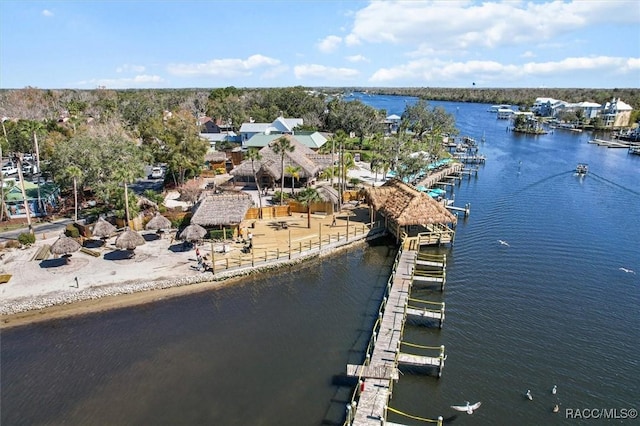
42	290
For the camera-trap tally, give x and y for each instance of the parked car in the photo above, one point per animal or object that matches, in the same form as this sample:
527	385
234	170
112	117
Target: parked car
9	169
29	168
157	173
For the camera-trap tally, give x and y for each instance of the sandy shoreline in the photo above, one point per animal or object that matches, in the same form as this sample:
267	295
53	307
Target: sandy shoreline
34	305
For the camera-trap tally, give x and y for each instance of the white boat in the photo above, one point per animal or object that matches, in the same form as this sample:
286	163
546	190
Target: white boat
495	108
582	168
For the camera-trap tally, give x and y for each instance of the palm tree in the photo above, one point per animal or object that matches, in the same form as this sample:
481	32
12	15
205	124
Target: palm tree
306	197
280	147
74	172
254	155
294	172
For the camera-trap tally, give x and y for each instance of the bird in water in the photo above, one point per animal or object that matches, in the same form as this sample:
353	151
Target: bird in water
528	395
554	390
556	408
504	243
628	271
469	408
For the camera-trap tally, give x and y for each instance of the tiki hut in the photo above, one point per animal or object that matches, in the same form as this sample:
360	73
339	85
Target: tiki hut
222	210
144	203
158	222
103	229
329	195
409	211
269	169
64	246
129	240
192	233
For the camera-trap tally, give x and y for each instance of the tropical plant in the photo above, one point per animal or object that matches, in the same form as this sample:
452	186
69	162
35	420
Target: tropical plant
307	196
281	147
294	172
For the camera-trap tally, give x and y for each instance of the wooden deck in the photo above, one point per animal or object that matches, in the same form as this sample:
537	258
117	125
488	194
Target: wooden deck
380	369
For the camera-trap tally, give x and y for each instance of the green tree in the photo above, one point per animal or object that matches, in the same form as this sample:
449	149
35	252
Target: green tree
307	196
281	147
294	172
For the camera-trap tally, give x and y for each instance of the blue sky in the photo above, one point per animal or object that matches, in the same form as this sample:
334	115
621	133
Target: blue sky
177	44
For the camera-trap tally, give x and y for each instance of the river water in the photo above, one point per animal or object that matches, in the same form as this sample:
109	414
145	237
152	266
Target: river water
552	308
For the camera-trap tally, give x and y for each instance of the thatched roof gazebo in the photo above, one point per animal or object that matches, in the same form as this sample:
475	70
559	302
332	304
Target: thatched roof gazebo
129	240
158	222
407	210
192	233
103	229
226	209
64	246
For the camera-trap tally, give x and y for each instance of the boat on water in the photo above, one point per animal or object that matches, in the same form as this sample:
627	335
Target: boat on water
495	108
582	168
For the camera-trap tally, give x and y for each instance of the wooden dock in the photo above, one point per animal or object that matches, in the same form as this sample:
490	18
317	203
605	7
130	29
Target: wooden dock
379	371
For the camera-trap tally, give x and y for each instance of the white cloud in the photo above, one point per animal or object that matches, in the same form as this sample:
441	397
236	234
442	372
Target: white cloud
130	68
139	81
528	54
434	70
329	43
324	72
225	68
47	13
465	24
356	58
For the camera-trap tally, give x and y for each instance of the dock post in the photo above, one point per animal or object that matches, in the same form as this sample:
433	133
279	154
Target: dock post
441	361
440	419
349	414
441	316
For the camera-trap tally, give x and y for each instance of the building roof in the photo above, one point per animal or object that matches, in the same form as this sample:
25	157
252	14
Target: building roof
406	205
279	125
222	209
302	156
312	140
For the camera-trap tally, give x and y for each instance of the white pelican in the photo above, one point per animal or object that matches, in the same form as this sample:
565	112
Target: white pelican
628	271
468	408
504	243
554	390
528	395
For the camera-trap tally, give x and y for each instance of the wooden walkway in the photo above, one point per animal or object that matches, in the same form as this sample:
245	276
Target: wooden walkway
380	370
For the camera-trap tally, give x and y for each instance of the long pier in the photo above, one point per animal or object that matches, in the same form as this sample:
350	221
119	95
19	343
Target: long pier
376	376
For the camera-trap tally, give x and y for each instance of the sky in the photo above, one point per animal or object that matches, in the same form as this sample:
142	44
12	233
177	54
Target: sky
126	44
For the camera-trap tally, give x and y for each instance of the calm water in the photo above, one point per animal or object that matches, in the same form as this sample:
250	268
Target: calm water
552	308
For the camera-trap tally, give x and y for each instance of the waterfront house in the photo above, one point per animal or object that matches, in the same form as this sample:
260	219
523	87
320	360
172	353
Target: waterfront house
616	114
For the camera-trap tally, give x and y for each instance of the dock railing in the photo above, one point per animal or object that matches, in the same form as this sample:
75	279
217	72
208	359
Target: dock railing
353	403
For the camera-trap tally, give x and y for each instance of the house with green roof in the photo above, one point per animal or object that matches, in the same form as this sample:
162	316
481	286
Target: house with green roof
313	140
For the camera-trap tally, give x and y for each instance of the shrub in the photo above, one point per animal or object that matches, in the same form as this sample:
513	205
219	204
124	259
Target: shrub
71	231
219	234
26	238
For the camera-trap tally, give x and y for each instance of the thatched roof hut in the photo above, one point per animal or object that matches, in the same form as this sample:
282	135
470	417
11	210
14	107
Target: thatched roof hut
406	205
302	156
64	245
145	203
158	222
192	233
129	240
103	229
222	209
328	193
403	206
